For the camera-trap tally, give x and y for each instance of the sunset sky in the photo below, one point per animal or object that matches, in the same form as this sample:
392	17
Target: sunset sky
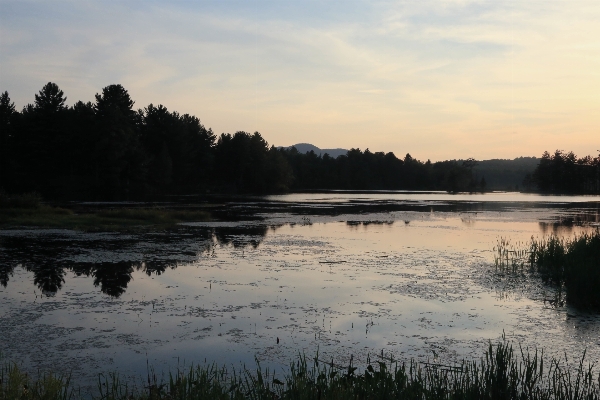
439	80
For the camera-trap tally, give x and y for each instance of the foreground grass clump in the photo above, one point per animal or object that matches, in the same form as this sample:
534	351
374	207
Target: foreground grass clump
15	384
501	374
572	265
28	210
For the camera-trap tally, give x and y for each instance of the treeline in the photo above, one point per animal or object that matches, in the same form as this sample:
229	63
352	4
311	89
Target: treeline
109	150
563	172
364	170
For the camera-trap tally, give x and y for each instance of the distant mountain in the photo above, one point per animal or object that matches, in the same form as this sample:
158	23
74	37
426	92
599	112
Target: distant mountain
505	174
499	174
307	147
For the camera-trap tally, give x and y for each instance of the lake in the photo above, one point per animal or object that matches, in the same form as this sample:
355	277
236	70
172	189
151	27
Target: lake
348	274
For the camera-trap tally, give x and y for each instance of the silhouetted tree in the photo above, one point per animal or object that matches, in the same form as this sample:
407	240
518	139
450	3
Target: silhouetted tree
118	158
8	162
565	173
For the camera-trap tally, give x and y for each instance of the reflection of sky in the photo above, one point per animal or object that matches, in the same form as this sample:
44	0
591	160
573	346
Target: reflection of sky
445	80
408	289
342	196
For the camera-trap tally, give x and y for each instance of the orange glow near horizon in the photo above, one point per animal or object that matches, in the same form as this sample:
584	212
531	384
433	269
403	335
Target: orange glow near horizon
443	80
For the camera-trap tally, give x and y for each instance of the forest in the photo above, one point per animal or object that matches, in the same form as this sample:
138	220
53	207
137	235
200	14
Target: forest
108	150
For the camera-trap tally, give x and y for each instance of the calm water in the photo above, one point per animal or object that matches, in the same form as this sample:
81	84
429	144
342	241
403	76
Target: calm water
347	274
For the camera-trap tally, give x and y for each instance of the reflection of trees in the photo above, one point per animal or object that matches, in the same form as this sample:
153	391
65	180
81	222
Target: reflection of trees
155	267
6	270
48	257
48	278
113	277
356	224
564	225
6	266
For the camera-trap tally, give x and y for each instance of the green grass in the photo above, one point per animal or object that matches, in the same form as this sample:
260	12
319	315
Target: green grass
502	373
572	265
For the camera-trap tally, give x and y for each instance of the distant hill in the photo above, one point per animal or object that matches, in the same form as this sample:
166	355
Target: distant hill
505	174
499	174
307	147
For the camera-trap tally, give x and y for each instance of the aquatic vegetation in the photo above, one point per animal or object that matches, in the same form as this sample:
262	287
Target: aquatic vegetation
509	257
103	220
572	265
502	373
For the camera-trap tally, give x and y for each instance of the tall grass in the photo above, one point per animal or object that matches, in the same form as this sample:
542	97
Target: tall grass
572	265
501	374
16	384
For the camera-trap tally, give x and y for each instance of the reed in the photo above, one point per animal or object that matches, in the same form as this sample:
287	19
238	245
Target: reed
502	373
509	257
573	263
16	384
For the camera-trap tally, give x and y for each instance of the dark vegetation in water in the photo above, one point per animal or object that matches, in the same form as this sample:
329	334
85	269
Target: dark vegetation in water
502	373
571	265
28	210
109	150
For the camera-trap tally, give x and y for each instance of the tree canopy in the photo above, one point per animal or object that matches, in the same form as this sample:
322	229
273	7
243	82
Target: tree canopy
109	150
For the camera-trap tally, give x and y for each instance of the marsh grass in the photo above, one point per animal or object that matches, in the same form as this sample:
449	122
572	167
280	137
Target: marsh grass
574	263
16	384
510	257
502	373
115	219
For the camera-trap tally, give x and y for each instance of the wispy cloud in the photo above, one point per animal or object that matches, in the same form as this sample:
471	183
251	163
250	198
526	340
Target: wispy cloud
437	79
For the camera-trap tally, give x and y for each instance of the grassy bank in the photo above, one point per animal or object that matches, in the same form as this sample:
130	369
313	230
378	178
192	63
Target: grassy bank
29	211
502	373
572	265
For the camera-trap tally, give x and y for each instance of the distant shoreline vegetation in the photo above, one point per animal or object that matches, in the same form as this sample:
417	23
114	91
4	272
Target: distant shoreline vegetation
107	150
29	210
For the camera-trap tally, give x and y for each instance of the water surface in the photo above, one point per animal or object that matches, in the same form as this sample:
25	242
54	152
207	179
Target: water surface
399	274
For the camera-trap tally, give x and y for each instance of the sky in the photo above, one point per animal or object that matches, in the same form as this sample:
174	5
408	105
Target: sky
436	79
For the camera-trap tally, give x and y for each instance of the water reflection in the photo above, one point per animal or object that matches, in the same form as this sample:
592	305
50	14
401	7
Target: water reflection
564	225
48	278
348	284
365	224
49	257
